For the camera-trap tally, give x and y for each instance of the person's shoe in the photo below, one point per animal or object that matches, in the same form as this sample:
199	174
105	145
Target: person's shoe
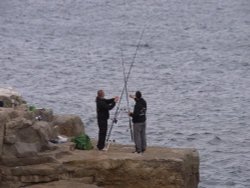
138	153
101	149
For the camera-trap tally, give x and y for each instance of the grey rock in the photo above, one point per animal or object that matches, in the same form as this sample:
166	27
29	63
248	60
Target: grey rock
69	125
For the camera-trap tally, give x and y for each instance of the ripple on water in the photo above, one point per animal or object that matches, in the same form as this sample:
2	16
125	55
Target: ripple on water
194	73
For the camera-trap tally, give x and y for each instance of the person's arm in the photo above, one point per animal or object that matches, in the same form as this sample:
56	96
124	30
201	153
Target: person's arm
111	105
111	102
114	99
108	101
103	105
132	96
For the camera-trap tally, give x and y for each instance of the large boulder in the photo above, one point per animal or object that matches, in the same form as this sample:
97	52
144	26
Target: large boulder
25	132
21	135
24	137
68	125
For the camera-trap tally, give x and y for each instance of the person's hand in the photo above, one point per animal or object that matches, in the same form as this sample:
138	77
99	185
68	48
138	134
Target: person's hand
116	99
132	96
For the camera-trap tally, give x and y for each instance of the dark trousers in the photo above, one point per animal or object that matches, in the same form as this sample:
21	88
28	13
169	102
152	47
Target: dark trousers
140	137
103	126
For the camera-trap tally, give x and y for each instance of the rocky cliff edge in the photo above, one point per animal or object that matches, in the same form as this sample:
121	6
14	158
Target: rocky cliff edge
29	159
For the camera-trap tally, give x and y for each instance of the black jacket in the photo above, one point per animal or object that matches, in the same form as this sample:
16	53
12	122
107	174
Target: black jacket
139	113
103	106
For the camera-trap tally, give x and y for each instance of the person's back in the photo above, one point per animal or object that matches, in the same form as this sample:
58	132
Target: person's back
139	114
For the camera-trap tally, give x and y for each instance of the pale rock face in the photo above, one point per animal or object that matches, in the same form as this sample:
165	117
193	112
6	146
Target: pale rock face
69	125
10	98
9	91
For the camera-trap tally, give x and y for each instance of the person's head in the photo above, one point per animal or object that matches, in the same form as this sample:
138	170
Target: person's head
138	94
100	93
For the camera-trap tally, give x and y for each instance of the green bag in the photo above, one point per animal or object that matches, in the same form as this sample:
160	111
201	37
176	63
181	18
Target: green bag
82	142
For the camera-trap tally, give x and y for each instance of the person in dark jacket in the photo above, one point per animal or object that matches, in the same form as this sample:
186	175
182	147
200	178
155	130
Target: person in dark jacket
102	107
139	122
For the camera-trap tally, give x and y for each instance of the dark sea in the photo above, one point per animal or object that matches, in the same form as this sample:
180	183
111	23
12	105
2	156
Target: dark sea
192	66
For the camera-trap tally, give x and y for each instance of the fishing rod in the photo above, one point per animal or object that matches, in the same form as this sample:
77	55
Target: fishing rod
127	77
127	99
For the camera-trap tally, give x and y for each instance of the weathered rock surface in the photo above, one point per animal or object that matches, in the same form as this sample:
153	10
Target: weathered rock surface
118	167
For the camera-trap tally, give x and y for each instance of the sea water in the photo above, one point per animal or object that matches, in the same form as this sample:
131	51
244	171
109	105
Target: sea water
192	66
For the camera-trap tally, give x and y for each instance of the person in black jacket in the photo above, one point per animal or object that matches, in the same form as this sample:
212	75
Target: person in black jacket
102	107
139	122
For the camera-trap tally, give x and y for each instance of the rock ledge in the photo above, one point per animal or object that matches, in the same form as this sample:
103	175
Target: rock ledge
118	167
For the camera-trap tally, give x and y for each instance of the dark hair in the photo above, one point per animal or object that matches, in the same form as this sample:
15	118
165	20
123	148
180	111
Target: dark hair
138	94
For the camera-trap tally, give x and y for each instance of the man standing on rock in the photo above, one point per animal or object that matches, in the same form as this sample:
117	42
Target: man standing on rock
102	107
139	122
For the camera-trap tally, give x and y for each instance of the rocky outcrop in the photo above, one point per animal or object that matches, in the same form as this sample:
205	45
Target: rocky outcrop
10	98
23	135
29	158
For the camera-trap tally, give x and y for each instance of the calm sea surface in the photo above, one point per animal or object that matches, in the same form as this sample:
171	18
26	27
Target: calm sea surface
192	66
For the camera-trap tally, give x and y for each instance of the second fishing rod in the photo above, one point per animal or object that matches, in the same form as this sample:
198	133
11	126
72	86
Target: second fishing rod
124	89
127	97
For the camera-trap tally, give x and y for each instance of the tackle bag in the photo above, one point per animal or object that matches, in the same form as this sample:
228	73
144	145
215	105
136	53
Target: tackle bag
82	142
